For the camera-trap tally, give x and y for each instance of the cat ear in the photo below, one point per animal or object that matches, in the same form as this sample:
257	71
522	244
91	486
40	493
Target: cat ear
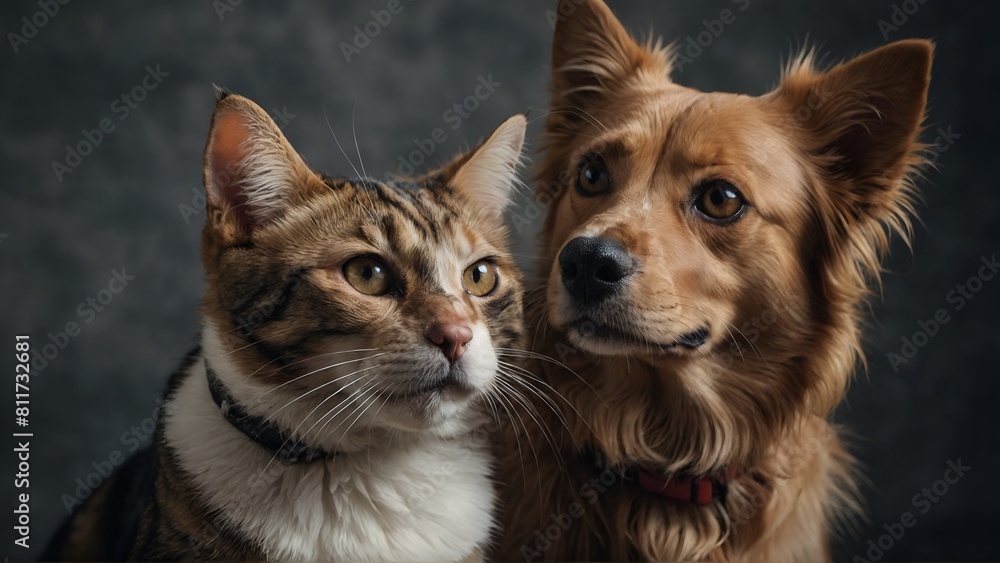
593	54
487	175
252	174
862	118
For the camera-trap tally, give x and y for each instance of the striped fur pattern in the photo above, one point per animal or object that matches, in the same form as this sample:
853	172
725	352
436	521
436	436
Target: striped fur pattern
728	342
298	340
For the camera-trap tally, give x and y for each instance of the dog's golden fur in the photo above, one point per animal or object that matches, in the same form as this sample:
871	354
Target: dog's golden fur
825	163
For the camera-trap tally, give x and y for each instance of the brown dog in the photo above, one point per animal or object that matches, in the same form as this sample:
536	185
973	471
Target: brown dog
708	257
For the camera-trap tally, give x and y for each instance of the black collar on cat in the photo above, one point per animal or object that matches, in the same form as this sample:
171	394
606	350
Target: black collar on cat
265	433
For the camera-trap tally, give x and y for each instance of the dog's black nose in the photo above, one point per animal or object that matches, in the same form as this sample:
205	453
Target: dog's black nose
594	268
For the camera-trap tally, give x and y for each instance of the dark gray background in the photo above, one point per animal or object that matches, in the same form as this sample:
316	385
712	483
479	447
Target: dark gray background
120	207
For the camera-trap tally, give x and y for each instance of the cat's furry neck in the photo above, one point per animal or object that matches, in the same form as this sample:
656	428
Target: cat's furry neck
414	497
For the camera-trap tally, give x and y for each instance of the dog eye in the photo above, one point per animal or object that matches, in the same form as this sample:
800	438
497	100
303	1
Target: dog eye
481	278
593	178
367	275
721	201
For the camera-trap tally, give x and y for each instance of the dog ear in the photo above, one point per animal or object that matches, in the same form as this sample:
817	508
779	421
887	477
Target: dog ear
857	124
861	121
592	54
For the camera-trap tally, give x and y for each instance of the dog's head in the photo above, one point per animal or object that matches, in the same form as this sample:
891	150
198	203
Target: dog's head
723	241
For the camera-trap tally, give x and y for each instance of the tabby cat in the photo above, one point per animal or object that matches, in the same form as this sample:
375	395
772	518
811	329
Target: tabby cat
334	409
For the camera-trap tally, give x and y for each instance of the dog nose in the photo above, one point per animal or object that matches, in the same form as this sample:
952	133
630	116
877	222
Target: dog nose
594	268
450	337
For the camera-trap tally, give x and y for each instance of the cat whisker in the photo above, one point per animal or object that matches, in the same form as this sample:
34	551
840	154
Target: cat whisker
300	425
531	257
354	133
367	406
371	209
253	343
337	409
364	178
571	132
317	388
514	396
338	364
367	388
528	354
524	373
576	110
514	419
540	324
551	406
390	438
385	401
492	407
506	390
533	414
310	358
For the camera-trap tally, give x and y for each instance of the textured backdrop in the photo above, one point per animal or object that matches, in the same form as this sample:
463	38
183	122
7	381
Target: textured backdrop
104	234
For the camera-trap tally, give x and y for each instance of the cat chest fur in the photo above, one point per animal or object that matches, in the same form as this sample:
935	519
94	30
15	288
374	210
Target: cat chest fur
425	501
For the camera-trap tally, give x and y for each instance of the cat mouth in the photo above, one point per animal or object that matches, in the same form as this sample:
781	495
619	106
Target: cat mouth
451	386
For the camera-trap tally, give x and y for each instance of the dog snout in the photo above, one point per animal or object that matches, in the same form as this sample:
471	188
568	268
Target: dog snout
594	268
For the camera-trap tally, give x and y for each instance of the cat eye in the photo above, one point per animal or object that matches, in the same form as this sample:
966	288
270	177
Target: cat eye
593	177
367	275
720	201
480	279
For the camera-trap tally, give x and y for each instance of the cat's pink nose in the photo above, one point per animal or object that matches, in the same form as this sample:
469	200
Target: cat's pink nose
451	338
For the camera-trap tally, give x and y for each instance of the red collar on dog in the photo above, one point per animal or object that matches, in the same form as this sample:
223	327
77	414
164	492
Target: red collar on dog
699	491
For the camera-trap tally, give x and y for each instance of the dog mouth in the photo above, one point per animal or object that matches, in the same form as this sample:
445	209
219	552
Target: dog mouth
585	330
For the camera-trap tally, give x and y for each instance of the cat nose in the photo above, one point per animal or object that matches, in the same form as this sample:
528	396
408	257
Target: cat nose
594	268
450	337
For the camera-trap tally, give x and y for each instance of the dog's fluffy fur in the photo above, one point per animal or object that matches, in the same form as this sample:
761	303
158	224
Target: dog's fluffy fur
825	163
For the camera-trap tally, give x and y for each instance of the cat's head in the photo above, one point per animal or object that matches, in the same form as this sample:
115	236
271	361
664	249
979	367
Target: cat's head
336	304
